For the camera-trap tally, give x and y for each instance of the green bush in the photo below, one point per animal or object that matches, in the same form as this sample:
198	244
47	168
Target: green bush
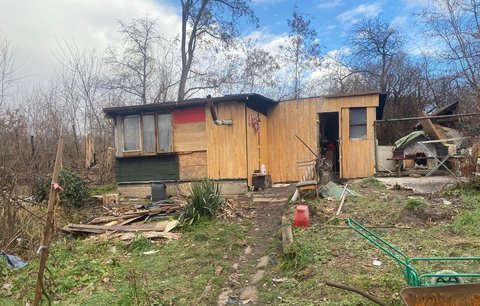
75	191
204	201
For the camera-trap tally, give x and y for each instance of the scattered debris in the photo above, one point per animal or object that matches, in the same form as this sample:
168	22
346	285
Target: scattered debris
124	224
332	189
150	252
376	262
13	262
280	185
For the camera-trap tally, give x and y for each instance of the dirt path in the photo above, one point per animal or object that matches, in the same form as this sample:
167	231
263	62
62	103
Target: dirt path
265	209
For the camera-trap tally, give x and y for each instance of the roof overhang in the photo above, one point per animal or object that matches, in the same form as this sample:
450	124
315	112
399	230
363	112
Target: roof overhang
256	102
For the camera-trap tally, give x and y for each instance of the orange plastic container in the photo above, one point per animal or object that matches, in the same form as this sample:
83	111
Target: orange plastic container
302	218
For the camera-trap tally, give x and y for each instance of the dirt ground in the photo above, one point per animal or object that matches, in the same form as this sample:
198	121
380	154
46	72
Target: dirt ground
264	208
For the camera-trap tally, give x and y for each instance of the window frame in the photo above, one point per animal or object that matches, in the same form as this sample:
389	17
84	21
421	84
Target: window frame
140	121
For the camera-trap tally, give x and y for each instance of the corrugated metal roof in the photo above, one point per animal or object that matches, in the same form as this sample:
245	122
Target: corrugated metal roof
254	101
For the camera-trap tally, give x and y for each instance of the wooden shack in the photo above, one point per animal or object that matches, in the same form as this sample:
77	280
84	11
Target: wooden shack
181	142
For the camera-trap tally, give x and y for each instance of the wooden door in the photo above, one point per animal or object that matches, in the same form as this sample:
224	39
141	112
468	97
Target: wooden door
357	142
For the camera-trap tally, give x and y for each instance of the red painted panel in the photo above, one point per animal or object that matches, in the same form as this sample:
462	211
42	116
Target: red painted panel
189	115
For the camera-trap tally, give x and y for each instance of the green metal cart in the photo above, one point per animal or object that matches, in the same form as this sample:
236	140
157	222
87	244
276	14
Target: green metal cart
413	278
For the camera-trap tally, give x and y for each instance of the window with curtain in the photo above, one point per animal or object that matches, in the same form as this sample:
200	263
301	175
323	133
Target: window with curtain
148	130
358	123
131	133
164	132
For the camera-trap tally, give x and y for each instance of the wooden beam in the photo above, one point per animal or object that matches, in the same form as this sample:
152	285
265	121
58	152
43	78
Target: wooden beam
49	224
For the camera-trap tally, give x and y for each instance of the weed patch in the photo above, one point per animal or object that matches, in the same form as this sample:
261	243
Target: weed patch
467	222
414	204
373	182
102	189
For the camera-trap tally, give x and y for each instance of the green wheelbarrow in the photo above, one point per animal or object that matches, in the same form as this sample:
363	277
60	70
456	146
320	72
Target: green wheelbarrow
445	287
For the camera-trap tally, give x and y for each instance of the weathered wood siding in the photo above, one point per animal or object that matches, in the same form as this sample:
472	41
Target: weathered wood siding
188	137
300	117
285	120
226	144
193	166
257	145
147	168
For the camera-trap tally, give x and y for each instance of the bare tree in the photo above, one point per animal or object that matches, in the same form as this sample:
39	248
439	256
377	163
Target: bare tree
8	68
133	68
301	53
210	20
455	24
376	47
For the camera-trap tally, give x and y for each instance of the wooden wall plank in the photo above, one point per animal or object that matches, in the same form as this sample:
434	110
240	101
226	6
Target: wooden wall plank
226	146
189	137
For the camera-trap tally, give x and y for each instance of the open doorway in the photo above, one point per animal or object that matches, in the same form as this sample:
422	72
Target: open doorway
329	136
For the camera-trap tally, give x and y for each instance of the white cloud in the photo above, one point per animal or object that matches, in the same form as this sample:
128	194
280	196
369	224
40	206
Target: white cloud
417	3
353	15
329	4
36	27
399	21
264	2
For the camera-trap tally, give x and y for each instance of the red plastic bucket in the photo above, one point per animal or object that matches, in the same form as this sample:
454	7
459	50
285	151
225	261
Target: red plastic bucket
301	216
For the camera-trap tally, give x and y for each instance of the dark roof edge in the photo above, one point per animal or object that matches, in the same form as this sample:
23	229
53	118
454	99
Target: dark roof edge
353	94
112	111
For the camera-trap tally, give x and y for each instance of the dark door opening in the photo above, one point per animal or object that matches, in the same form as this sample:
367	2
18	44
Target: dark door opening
329	139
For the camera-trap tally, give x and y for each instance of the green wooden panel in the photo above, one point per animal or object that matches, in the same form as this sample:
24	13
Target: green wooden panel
147	168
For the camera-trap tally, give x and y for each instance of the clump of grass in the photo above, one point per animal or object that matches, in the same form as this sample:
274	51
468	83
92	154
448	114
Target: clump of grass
467	222
371	181
414	204
102	189
140	244
204	201
299	256
472	187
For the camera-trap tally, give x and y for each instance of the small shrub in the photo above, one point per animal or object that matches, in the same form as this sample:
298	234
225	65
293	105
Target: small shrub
204	201
414	204
75	191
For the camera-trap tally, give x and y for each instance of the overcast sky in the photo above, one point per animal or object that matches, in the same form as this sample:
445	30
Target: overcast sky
37	27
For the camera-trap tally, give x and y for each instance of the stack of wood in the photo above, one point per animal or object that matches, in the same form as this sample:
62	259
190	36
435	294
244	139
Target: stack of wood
125	224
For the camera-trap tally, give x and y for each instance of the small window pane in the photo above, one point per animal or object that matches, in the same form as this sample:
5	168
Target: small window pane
358	116
131	133
164	124
148	122
358	132
358	123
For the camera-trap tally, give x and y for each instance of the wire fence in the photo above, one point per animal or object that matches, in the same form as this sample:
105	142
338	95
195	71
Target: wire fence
437	145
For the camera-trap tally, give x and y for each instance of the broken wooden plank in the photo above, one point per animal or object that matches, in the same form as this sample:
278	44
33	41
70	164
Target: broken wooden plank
130	220
150	235
90	228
